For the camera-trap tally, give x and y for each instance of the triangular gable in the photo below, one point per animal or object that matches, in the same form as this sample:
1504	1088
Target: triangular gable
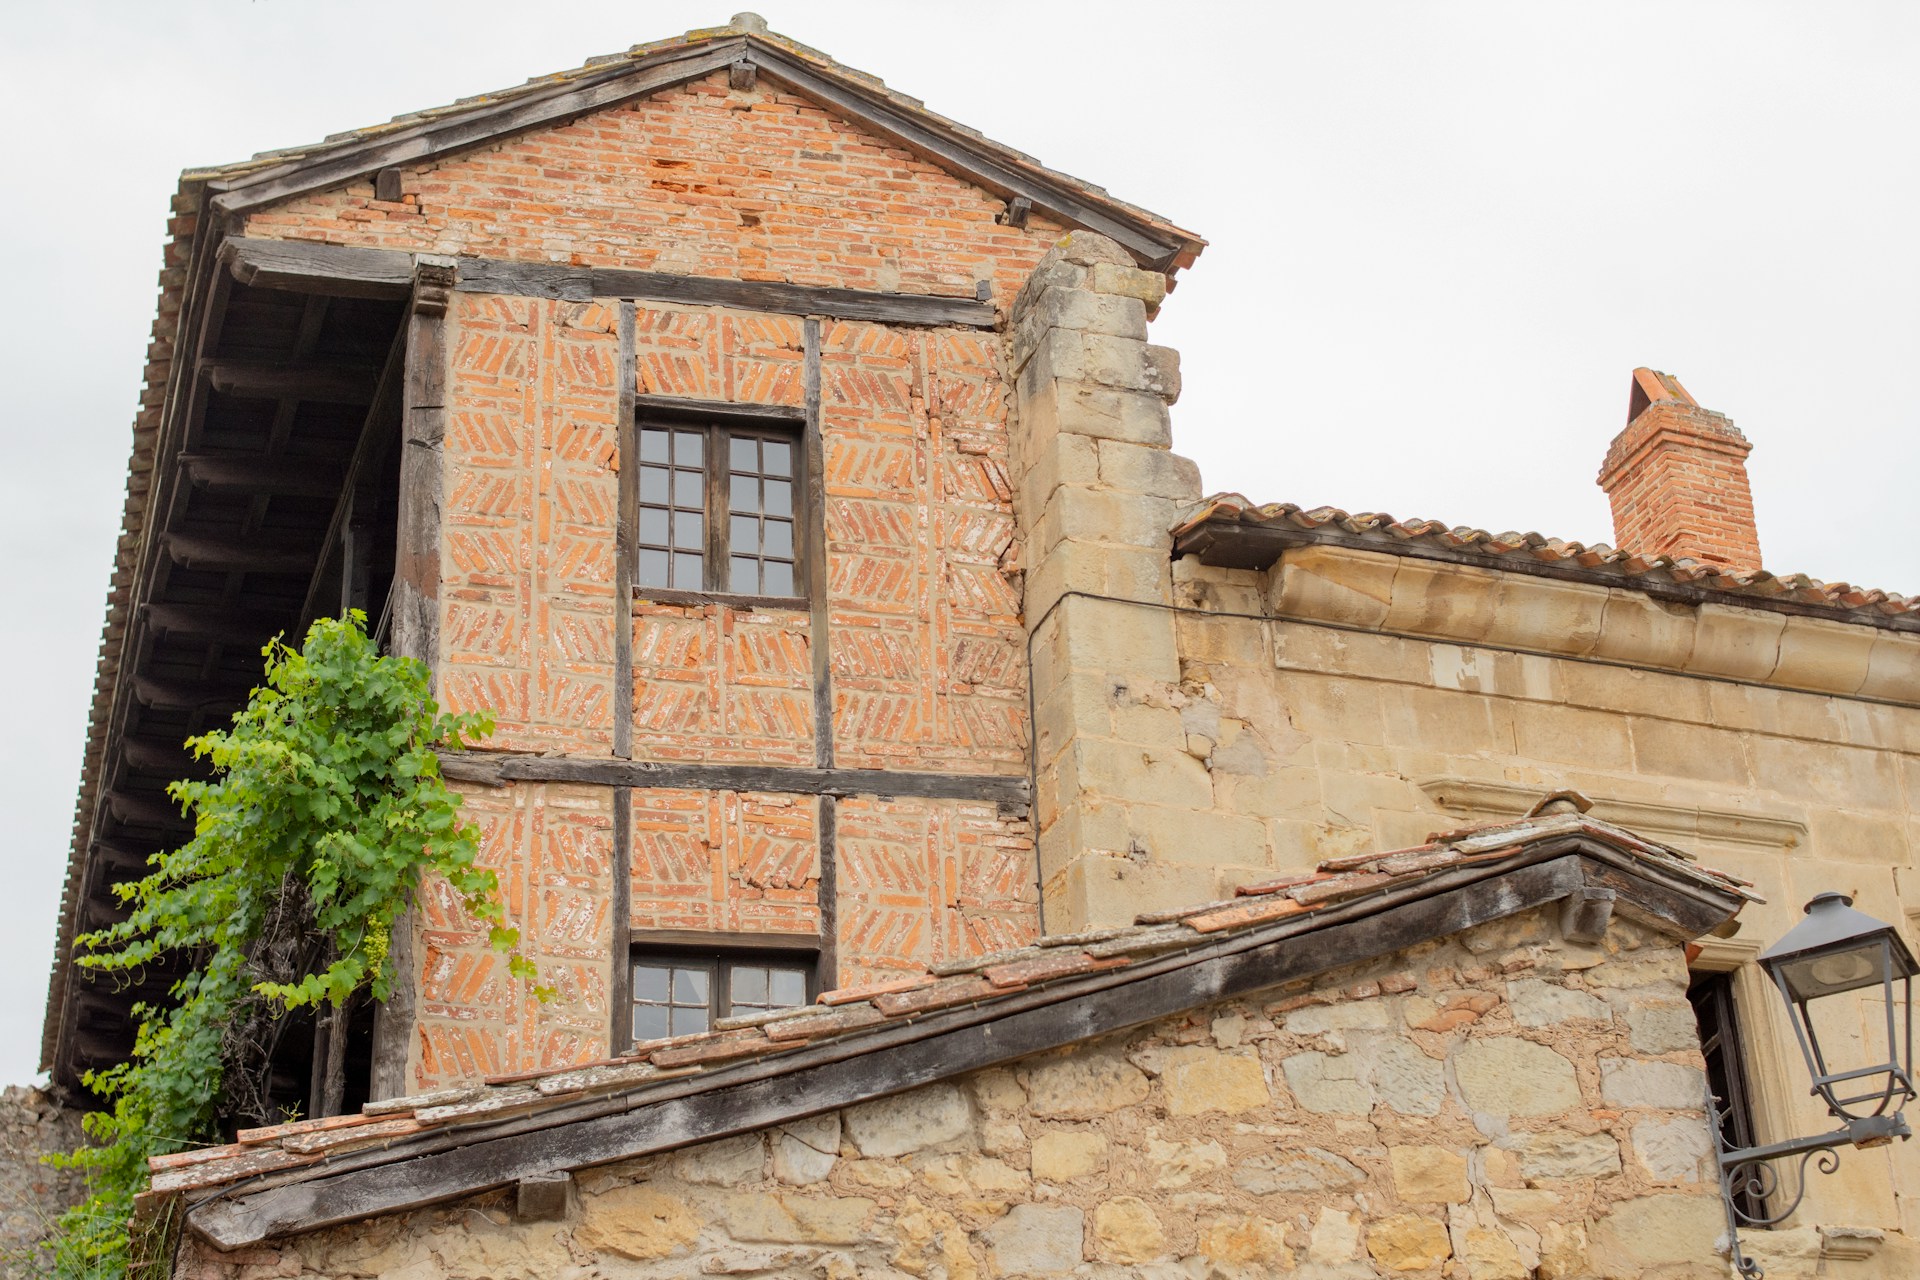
549	100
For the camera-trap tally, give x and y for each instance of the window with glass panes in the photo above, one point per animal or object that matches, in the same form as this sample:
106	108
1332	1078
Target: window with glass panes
681	995
716	509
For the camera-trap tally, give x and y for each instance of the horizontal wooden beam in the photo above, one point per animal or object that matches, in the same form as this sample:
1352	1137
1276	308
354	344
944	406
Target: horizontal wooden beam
169	695
203	551
244	473
145	811
886	1061
490	769
329	384
395	268
235	626
551	280
330	270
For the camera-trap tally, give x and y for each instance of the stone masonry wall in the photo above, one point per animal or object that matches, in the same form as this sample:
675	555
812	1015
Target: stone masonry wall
32	1195
1325	742
1496	1106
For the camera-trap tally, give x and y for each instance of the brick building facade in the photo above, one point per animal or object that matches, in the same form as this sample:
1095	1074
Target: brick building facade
788	470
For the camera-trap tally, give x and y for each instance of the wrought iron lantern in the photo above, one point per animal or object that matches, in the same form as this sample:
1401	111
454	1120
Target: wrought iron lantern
1835	951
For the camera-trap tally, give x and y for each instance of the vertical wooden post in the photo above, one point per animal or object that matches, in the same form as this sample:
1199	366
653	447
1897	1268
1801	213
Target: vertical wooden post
814	454
620	984
416	599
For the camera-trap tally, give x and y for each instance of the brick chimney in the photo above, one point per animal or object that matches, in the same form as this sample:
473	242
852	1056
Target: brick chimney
1677	479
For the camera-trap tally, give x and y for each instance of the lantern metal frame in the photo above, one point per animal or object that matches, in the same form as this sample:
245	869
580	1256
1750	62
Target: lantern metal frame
1831	931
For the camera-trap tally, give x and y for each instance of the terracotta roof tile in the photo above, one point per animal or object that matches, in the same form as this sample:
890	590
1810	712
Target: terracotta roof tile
1634	570
856	1012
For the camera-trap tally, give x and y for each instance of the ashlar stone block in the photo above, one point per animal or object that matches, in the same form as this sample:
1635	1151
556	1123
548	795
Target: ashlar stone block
1505	1075
1625	1082
1037	1240
1427	1174
926	1117
1064	1155
1198	1079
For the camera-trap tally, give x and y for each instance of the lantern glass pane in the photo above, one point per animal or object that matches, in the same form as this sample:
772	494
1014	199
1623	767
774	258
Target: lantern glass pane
1833	972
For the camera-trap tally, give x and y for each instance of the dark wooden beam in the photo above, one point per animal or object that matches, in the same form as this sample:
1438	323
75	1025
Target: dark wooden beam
200	551
238	626
168	695
494	770
151	756
548	280
333	270
145	810
319	262
891	1058
330	384
241	473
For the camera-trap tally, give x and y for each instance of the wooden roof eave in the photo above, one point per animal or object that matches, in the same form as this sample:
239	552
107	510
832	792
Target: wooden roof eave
911	1052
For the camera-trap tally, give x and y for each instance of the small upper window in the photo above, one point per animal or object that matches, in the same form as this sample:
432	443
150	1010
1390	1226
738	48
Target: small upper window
676	995
717	509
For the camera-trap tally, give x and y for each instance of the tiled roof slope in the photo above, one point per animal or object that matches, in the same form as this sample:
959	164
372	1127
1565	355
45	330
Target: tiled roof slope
304	1149
187	246
1625	569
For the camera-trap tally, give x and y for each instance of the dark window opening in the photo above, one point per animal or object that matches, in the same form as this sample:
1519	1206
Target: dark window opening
684	994
716	510
1718	1016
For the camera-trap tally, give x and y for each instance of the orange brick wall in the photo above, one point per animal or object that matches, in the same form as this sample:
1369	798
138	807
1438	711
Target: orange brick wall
926	644
1677	482
702	180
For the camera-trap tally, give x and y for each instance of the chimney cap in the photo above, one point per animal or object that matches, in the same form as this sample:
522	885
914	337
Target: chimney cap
1651	386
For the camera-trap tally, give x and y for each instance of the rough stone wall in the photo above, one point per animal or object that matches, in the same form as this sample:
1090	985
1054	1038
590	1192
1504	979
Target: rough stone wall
1326	742
1496	1106
753	184
32	1195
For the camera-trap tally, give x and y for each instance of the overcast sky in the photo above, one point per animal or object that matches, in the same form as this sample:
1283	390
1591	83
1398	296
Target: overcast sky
1442	235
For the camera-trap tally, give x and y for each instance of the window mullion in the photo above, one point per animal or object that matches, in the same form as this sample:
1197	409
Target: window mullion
716	509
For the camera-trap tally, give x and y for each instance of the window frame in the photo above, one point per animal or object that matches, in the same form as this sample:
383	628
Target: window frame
720	424
719	955
1716	1009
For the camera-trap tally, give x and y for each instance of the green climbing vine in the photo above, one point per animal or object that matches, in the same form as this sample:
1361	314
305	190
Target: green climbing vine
325	804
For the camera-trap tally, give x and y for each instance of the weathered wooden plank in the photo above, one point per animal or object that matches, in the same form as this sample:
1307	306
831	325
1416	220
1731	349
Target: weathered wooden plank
253	555
496	770
731	941
227	626
578	284
355	272
813	550
674	407
416	143
330	383
828	1077
416	597
300	266
243	473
